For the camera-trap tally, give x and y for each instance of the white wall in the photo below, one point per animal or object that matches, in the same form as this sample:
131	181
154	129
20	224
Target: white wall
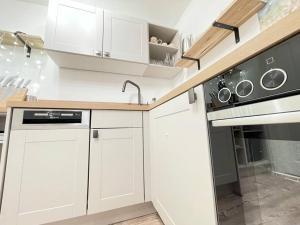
197	18
199	14
23	16
162	12
96	86
50	82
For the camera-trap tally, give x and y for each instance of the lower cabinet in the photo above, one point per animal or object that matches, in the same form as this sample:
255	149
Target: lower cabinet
116	176
181	174
46	176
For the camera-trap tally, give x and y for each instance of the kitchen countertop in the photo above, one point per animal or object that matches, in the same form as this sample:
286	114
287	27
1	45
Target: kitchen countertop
280	31
53	104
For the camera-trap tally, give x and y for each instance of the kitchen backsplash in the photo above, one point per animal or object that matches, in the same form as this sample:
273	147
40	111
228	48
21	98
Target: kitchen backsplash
48	81
14	63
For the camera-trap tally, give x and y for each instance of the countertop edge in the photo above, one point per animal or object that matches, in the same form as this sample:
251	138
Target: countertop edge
53	104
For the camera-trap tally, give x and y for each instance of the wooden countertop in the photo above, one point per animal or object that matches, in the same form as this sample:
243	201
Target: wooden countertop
280	31
53	104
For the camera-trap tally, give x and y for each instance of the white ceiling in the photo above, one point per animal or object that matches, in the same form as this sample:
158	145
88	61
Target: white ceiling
164	12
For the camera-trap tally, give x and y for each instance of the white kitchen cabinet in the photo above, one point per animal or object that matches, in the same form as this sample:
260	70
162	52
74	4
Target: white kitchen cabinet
116	169
79	28
46	176
181	174
74	27
125	38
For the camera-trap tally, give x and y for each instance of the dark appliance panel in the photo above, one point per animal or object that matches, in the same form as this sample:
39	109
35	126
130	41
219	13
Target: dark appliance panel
271	74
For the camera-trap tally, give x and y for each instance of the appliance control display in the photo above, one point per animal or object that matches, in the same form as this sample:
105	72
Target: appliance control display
224	95
51	117
271	74
273	79
244	88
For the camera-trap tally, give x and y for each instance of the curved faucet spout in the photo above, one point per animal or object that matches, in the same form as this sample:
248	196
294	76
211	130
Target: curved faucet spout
137	86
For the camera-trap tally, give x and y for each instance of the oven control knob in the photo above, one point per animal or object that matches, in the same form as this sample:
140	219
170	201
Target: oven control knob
224	95
221	84
273	79
244	88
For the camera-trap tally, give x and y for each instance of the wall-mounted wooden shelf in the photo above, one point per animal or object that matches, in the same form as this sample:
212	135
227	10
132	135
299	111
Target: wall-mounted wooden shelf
235	15
10	38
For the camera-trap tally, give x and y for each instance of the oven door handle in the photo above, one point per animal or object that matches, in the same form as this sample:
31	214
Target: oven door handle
278	118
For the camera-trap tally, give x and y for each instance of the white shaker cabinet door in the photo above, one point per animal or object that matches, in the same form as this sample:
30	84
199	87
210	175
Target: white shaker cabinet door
181	174
116	169
46	177
74	27
125	38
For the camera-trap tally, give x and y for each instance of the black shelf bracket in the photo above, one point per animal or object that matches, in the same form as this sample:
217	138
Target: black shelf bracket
229	27
17	34
193	59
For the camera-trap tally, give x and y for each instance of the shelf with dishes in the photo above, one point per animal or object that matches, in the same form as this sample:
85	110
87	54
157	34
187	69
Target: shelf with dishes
163	48
159	50
230	20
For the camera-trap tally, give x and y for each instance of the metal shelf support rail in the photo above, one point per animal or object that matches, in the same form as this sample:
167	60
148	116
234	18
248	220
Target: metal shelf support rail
17	34
229	27
193	59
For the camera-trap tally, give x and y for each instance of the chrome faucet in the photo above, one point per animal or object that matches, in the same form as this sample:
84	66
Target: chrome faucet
137	86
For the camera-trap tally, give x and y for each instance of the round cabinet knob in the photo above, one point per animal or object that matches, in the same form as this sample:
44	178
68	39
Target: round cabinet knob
244	88
273	79
224	95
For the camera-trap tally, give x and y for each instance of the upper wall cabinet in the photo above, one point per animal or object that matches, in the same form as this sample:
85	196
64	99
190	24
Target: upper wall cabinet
125	38
84	37
85	29
74	27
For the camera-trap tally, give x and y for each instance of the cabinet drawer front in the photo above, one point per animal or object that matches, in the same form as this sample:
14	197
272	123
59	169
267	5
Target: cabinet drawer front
116	119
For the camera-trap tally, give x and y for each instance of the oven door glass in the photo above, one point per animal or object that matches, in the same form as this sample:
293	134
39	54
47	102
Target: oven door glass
257	174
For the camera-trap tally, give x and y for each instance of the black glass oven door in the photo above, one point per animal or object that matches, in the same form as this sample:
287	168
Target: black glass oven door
266	159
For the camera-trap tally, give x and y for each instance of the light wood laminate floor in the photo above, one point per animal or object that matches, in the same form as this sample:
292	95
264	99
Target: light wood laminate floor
152	219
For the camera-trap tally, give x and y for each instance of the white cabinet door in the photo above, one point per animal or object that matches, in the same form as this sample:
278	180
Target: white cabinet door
46	176
182	183
125	38
116	169
74	27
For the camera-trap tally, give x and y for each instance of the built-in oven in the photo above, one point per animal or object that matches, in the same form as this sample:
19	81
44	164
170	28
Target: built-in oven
253	112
